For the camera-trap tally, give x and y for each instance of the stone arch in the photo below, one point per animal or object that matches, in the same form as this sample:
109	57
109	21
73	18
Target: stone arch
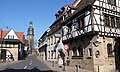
6	55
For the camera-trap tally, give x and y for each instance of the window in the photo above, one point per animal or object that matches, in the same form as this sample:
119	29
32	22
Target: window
51	54
57	40
89	52
10	36
109	50
118	22
54	39
80	50
107	23
74	51
113	2
112	22
51	40
81	23
48	54
77	26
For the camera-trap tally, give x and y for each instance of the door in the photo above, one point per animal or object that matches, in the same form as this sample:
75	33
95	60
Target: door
3	55
117	57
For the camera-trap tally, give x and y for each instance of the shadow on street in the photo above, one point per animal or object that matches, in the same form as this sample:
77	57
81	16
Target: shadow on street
25	70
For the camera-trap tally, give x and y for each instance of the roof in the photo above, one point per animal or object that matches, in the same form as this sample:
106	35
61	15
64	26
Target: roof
81	6
20	35
4	33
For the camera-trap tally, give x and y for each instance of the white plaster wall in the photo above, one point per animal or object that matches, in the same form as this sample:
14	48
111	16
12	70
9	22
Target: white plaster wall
11	32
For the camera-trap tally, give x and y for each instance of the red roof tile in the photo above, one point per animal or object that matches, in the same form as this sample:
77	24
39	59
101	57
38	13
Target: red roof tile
20	35
4	33
0	32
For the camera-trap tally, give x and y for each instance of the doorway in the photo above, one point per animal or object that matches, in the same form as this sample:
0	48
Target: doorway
6	55
117	57
3	55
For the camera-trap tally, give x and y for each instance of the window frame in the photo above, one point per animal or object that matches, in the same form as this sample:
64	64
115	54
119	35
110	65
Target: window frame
109	50
112	2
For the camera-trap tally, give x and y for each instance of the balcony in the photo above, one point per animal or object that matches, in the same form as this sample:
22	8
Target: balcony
73	34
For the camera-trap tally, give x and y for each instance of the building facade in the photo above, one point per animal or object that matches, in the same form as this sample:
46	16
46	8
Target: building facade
89	35
42	45
11	45
30	38
92	34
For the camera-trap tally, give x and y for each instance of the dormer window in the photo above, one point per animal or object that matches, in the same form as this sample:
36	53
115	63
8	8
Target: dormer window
10	36
112	2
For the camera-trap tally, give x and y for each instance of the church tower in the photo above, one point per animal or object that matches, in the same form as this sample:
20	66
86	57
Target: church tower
30	37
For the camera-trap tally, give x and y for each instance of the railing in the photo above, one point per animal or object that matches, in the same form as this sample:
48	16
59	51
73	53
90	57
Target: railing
73	34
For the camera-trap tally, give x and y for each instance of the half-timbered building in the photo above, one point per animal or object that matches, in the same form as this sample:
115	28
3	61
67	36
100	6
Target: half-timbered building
92	34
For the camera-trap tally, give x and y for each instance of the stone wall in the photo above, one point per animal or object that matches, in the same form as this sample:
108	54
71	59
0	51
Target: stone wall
14	52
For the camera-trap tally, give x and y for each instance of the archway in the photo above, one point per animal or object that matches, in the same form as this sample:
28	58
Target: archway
6	55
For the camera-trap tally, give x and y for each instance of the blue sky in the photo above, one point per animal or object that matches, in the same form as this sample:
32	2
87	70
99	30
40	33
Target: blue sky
17	14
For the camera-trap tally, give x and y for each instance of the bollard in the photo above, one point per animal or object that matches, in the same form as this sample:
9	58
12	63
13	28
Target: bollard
64	67
52	63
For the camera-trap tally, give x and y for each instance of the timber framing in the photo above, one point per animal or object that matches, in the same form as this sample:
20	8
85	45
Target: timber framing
93	12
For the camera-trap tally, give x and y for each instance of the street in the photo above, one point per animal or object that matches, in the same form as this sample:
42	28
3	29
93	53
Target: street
30	64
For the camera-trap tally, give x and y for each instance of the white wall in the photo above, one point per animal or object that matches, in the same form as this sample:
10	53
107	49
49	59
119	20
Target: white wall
11	32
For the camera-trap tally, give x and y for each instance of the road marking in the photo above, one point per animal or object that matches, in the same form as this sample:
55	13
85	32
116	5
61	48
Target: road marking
30	62
25	67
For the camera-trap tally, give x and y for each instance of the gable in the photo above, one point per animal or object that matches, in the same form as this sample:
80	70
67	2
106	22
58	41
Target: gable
11	35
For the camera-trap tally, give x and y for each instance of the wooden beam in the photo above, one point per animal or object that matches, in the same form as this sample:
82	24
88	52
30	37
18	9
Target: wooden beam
92	20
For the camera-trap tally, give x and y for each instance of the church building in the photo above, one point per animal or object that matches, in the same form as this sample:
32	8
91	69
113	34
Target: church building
30	37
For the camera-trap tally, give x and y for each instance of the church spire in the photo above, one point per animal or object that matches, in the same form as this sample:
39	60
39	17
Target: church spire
30	29
30	37
31	23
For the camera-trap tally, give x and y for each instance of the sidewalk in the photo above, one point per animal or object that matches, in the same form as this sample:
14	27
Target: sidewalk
56	68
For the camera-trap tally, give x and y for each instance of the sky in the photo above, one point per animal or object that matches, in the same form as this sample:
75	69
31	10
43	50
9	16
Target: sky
17	14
